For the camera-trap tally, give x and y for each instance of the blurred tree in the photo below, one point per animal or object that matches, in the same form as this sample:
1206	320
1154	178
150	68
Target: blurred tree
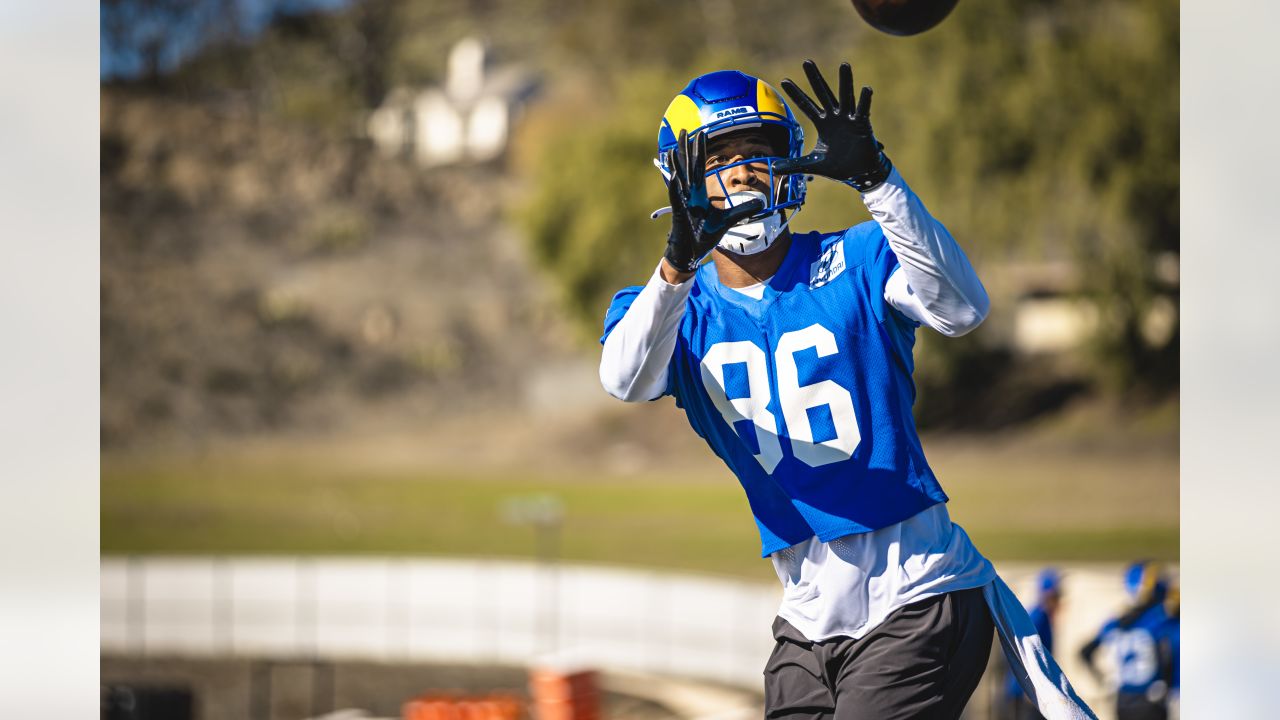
148	37
373	38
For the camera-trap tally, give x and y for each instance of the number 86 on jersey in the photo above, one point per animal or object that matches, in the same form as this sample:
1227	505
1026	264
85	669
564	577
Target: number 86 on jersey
794	399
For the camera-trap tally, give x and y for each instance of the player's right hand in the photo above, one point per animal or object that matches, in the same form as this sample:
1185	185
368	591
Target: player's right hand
696	225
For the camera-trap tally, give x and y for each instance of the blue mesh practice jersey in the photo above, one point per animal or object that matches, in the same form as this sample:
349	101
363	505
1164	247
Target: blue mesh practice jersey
1136	649
806	393
1172	634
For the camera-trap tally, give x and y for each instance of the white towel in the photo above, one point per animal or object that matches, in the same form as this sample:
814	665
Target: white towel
1038	673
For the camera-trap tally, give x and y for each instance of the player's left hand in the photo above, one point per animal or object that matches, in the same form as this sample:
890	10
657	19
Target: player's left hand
846	150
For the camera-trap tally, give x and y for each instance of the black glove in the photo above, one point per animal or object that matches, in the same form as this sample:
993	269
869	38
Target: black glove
847	150
696	225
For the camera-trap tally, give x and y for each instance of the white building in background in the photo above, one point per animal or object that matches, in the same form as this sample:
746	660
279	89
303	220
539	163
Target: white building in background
468	119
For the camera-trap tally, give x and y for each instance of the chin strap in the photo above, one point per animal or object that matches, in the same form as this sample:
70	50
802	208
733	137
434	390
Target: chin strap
785	223
788	220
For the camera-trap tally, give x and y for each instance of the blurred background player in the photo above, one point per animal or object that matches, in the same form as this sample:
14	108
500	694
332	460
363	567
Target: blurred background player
1169	650
792	357
1136	643
1048	597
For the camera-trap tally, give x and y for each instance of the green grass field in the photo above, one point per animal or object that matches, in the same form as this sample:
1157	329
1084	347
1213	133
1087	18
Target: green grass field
1018	499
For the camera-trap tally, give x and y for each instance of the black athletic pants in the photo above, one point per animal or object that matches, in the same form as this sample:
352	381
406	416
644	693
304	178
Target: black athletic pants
1134	706
922	662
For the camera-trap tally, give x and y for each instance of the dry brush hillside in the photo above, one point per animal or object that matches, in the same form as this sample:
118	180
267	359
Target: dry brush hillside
257	278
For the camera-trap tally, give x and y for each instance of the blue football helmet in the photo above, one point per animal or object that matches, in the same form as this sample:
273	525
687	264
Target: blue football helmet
726	101
1049	581
1144	582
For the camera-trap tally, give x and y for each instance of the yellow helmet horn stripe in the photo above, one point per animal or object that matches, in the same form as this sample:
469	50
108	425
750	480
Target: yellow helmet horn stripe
682	114
767	100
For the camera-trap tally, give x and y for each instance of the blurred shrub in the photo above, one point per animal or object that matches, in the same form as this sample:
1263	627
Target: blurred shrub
593	190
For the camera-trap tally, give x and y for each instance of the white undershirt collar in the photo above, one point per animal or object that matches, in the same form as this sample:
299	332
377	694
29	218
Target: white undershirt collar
755	291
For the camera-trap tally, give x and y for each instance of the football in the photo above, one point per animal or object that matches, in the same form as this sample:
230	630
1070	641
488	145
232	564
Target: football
903	17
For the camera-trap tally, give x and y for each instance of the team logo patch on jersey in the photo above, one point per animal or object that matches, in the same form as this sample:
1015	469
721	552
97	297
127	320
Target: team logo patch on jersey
828	267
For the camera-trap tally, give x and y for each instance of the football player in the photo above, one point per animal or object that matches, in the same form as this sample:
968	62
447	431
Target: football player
791	355
1139	643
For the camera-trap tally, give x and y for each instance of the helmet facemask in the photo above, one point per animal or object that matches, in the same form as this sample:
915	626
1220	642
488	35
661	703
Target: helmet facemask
729	101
